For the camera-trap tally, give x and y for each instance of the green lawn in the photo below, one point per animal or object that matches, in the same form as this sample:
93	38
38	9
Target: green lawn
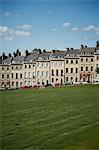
64	118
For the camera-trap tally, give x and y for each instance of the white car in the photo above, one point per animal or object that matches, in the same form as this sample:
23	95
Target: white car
96	82
76	83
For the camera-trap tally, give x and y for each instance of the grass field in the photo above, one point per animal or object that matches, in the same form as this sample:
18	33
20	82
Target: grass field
64	118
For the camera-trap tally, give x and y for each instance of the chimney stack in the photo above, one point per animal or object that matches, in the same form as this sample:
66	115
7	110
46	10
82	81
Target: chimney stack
82	46
97	44
53	50
85	46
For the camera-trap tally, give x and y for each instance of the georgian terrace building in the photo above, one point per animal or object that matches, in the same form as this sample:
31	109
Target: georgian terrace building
57	67
96	64
72	65
51	67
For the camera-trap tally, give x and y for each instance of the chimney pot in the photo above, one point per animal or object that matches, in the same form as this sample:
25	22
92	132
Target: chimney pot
82	46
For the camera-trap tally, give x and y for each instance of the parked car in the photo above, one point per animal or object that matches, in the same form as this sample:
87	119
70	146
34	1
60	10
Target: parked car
48	85
96	82
3	89
14	88
68	83
36	86
25	87
76	83
84	82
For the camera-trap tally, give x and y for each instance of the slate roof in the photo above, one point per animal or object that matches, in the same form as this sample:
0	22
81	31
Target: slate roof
18	59
87	50
73	51
7	60
58	54
44	55
97	50
31	57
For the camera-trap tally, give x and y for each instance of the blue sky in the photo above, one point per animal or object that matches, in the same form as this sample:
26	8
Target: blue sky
49	24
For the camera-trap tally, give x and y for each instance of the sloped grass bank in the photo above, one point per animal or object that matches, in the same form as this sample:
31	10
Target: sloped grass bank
64	118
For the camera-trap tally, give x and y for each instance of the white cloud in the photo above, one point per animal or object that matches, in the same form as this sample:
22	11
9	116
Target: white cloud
8	38
9	33
89	28
7	14
49	12
66	24
25	27
3	29
69	25
54	29
97	32
22	33
75	28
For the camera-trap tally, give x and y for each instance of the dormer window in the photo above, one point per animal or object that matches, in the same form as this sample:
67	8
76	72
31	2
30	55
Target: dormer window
30	61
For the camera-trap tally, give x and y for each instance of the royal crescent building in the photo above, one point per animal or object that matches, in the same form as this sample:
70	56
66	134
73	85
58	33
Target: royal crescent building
51	67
